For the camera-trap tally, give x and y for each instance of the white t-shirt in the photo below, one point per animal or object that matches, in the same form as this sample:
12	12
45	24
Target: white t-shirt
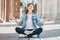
29	22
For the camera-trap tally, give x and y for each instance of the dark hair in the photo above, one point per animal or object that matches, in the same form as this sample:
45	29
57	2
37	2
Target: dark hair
26	10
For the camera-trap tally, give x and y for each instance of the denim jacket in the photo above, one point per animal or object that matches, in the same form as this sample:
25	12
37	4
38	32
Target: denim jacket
35	21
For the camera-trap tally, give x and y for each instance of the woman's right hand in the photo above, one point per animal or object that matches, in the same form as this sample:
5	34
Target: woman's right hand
11	18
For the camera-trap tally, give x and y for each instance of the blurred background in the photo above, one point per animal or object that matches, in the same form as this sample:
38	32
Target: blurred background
17	7
43	8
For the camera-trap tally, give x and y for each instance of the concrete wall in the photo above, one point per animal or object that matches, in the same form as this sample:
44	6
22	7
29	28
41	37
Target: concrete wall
0	8
11	3
58	6
58	12
47	8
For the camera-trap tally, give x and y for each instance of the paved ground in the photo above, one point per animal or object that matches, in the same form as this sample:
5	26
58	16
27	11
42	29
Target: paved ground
46	35
51	32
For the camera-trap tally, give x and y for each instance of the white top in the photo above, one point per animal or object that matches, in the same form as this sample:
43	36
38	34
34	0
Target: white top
29	22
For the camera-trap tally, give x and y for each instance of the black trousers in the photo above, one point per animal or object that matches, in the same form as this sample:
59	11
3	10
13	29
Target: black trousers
21	31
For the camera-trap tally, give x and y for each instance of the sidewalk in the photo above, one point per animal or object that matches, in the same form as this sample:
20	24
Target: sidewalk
51	32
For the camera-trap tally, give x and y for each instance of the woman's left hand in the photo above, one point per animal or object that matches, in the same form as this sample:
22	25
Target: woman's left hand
47	18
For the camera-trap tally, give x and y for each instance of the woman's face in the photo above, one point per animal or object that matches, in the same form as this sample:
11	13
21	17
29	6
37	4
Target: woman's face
30	7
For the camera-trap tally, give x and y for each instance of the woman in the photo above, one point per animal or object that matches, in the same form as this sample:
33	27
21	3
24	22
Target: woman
29	21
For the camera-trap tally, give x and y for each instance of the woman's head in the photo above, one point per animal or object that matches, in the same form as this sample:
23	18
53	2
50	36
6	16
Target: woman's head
30	7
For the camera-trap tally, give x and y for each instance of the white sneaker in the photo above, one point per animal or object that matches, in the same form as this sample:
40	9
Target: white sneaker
22	35
34	35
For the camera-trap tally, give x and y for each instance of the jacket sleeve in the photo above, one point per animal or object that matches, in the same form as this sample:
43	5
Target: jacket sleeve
21	20
38	22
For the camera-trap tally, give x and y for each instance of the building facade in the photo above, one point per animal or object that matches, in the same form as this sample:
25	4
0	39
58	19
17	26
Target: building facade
44	8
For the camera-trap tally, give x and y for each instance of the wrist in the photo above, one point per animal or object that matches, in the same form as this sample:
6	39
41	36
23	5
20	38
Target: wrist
43	21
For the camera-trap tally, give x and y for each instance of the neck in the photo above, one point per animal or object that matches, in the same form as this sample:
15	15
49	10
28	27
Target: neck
30	12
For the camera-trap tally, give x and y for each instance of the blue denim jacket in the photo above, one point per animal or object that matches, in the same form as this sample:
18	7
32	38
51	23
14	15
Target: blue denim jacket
35	21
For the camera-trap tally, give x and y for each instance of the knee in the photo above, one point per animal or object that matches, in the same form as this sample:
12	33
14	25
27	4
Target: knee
40	29
16	29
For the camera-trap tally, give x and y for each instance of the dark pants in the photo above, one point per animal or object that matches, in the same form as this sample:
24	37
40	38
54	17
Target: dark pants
21	31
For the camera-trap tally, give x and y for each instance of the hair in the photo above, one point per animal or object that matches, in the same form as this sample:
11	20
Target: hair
26	10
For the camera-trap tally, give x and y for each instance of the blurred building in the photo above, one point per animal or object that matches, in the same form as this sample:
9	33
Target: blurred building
49	8
44	8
